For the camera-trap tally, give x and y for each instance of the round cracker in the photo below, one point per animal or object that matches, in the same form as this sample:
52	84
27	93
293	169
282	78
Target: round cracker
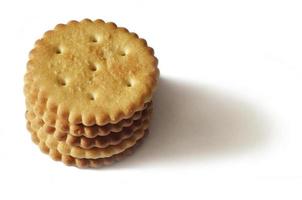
91	72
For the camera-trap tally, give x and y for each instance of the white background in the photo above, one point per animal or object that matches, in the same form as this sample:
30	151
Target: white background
227	120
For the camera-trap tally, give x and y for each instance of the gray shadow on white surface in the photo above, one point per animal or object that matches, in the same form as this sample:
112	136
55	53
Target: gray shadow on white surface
191	123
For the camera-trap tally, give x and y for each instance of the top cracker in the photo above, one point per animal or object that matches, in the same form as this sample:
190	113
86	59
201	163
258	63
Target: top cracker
92	72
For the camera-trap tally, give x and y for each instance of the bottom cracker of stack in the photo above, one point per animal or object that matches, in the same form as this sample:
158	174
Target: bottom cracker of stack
82	158
83	162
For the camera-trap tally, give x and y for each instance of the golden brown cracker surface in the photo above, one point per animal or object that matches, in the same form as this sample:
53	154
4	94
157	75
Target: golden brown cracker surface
91	72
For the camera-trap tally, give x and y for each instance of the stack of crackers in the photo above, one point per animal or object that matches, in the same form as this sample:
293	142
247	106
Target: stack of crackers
88	89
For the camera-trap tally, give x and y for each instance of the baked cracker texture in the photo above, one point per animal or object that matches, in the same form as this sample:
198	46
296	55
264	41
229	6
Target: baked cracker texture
83	162
91	72
88	92
92	153
113	138
39	109
87	131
